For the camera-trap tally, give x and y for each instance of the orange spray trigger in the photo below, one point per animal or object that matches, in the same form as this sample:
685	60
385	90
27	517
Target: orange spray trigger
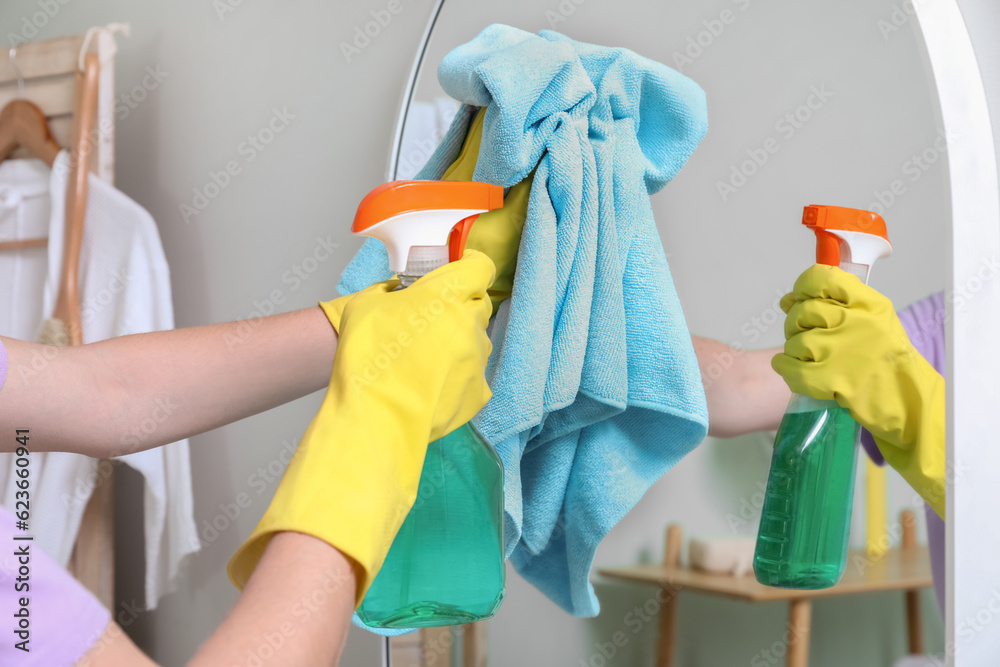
827	248
459	235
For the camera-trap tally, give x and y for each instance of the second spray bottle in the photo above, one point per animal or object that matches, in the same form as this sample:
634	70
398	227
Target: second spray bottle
806	517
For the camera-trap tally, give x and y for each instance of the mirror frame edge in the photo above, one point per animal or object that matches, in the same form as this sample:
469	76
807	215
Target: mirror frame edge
974	391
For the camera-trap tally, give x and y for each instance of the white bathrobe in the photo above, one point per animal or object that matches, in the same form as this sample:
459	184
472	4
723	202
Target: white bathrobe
124	289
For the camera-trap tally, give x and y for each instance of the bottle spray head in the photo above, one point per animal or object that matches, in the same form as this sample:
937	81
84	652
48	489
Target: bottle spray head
850	238
423	224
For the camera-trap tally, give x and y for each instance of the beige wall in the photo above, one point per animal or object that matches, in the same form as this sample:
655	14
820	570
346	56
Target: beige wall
226	74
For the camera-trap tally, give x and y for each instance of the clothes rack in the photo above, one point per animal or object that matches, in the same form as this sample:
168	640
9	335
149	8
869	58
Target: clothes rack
70	79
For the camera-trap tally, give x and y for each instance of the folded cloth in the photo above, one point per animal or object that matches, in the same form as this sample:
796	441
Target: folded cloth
596	390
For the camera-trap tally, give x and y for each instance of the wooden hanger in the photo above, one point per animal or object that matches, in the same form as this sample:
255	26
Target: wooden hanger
22	123
68	300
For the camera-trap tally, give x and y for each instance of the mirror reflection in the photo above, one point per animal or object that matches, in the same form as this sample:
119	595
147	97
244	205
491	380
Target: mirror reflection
806	105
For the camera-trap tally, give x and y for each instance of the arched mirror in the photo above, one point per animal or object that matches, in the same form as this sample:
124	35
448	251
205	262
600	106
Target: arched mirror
862	104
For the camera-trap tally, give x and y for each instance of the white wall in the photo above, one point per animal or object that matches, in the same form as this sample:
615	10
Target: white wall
729	259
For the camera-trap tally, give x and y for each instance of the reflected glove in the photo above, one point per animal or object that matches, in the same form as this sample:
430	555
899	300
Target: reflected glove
496	233
844	342
409	369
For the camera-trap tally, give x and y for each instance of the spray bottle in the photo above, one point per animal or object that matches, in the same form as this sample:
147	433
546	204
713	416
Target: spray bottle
446	565
806	517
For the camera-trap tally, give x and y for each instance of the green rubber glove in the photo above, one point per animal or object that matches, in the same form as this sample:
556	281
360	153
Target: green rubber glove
844	342
409	369
496	233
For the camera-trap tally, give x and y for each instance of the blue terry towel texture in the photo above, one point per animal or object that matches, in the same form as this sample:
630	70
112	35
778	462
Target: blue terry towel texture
596	389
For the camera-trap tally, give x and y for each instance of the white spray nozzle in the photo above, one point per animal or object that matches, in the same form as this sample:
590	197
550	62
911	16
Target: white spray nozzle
401	232
418	214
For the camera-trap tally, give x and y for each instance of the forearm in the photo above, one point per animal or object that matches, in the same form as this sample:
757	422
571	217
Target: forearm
295	610
743	392
136	392
114	649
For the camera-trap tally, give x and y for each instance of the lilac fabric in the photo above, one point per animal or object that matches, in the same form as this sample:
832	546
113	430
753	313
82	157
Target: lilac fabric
924	324
868	442
64	619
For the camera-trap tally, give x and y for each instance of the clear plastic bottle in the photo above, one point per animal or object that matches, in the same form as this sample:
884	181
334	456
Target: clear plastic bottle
446	565
806	518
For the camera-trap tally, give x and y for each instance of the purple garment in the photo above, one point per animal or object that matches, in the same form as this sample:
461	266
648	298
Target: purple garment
924	324
64	619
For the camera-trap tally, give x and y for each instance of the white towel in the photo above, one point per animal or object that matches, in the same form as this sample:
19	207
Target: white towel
124	289
426	124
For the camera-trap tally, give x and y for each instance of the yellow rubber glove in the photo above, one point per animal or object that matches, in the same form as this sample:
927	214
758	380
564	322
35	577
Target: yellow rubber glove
844	342
409	369
496	233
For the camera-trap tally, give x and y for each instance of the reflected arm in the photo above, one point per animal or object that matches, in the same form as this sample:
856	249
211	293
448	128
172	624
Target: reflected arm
743	392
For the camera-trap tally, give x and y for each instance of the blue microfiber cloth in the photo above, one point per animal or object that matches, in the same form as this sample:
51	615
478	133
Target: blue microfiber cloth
596	389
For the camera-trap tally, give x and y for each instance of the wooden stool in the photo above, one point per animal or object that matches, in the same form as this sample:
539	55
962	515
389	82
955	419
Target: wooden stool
906	568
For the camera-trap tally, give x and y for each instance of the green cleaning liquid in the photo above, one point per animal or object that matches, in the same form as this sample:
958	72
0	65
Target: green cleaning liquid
446	565
806	517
